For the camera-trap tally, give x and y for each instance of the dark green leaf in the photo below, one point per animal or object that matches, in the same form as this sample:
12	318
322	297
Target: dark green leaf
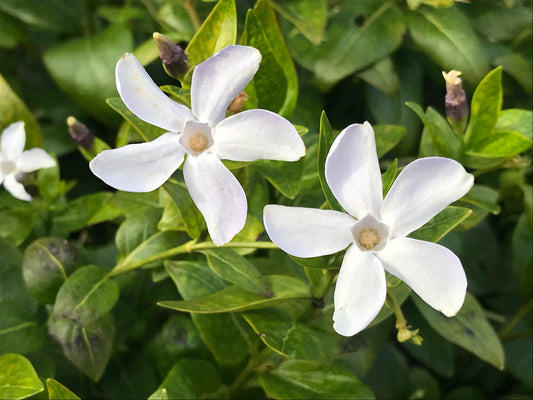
312	380
12	287
382	76
326	262
387	136
19	330
309	16
56	391
11	31
184	209
136	229
519	67
18	379
284	176
484	197
16	224
442	223
326	138
401	292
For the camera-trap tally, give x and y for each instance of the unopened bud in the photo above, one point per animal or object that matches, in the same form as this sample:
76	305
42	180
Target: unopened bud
173	57
237	103
80	133
456	105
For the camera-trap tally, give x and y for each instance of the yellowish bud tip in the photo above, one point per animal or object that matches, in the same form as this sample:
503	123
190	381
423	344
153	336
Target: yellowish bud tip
71	121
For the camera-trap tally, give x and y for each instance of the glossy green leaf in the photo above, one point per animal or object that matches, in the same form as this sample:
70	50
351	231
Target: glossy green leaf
20	331
233	298
275	83
86	296
388	176
325	140
445	34
84	68
218	31
290	338
484	109
442	223
16	224
57	391
312	380
284	176
498	144
253	228
88	347
236	269
133	204
159	394
18	379
468	329
184	209
387	136
136	229
323	262
308	16
516	120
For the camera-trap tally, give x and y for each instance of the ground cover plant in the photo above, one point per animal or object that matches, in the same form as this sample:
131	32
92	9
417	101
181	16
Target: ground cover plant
286	199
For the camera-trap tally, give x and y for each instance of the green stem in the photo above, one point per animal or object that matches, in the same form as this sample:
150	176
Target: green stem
507	329
125	265
401	322
189	6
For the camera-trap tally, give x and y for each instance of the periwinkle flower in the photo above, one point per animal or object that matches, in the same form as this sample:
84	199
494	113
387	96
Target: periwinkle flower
374	230
202	134
15	162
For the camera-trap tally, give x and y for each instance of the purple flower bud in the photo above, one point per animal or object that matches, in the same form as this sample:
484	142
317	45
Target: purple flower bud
455	100
80	133
174	58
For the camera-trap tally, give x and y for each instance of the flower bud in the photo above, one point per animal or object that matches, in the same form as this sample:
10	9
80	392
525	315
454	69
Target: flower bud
174	58
80	133
456	105
237	103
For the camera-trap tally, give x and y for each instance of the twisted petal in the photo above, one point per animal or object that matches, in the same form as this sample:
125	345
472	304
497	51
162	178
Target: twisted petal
140	167
34	159
219	79
217	194
13	139
144	99
431	270
352	171
258	134
308	232
16	188
423	189
360	291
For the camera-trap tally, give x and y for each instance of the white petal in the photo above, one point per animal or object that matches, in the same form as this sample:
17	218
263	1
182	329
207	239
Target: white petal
139	167
217	194
352	171
13	139
423	189
219	79
360	291
16	188
34	159
258	134
144	99
431	270
308	232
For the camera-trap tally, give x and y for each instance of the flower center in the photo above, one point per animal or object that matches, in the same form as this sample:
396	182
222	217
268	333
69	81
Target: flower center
198	143
7	167
196	137
369	238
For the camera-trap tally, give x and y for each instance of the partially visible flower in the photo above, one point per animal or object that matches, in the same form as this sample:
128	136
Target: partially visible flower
15	162
172	55
455	100
375	229
202	133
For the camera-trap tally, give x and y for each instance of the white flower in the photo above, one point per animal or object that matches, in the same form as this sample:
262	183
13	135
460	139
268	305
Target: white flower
202	133
14	162
375	229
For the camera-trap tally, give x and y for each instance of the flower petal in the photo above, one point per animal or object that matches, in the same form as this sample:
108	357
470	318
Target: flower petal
423	189
144	99
352	171
218	195
16	188
308	232
139	167
13	139
34	159
431	270
219	79
258	134
360	291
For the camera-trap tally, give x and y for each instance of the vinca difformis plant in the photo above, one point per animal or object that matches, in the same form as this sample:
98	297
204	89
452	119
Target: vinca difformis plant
173	286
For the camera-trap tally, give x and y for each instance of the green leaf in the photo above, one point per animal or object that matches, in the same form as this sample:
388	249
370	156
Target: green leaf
323	262
159	394
84	68
312	380
442	223
133	204
19	330
284	176
193	379
519	67
516	120
236	269
88	347
482	196
290	338
87	295
18	379
445	34
16	224
136	229
147	131
13	109
308	16
233	298
325	140
499	144
401	292
387	136
468	329
11	31
382	76
388	176
56	391
12	287
184	209
275	84
218	31
484	108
